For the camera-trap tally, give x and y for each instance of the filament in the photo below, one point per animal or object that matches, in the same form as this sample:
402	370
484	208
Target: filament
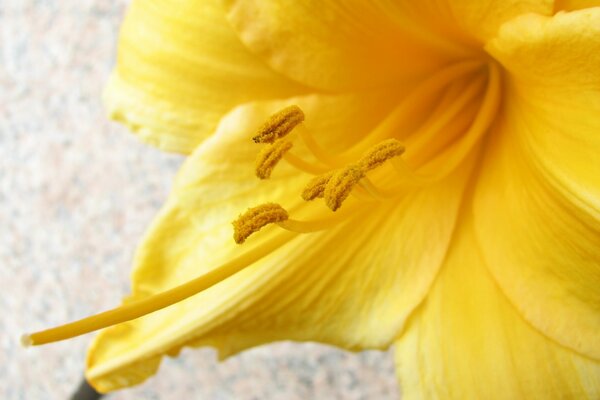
449	160
423	137
387	128
317	224
304	166
139	308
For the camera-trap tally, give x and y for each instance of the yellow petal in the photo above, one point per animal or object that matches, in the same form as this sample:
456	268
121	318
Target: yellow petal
180	68
339	44
467	342
537	205
482	18
353	285
570	5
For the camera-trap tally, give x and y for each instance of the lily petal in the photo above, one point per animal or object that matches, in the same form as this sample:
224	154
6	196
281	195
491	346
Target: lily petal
482	19
175	59
337	45
340	45
468	342
570	5
336	286
537	205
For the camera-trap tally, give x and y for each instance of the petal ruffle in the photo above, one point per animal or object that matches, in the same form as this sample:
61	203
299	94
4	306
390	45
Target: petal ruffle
180	68
353	285
468	342
537	205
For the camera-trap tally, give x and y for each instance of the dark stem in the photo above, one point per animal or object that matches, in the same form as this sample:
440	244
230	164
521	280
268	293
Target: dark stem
86	392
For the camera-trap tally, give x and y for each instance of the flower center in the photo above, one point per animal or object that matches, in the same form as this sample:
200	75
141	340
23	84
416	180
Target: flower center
379	167
468	97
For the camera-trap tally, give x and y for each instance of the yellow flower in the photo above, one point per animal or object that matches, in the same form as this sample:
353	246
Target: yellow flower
458	139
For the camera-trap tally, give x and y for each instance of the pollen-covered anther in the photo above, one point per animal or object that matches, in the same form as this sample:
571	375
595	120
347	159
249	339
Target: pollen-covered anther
279	125
380	153
255	218
340	185
316	187
269	156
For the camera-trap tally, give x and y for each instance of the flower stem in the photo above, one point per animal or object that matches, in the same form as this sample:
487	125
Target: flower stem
86	392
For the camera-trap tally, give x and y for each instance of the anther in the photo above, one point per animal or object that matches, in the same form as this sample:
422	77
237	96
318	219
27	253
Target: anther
380	153
279	125
340	185
269	156
255	218
316	187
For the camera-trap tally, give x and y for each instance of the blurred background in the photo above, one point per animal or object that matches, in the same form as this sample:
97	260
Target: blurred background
76	194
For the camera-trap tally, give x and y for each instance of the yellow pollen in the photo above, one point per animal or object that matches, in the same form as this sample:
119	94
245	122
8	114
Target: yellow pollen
340	185
380	153
255	218
269	156
279	125
316	187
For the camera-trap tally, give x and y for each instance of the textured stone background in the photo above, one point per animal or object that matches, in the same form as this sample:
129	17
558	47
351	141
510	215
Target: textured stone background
76	193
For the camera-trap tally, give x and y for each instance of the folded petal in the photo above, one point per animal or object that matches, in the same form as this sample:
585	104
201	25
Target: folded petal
338	45
468	342
537	205
352	285
180	68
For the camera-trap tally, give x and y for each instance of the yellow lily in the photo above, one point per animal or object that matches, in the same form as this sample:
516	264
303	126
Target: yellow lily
458	139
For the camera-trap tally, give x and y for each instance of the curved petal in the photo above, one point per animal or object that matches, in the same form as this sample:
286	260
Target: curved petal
468	342
352	285
180	68
338	45
537	205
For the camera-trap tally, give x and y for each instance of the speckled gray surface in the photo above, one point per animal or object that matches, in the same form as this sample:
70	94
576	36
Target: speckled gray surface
76	193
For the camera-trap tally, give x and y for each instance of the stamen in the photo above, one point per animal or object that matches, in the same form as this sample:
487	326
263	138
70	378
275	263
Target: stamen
255	218
269	156
380	153
418	98
316	187
319	223
304	166
445	163
421	142
279	125
340	185
147	305
481	124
